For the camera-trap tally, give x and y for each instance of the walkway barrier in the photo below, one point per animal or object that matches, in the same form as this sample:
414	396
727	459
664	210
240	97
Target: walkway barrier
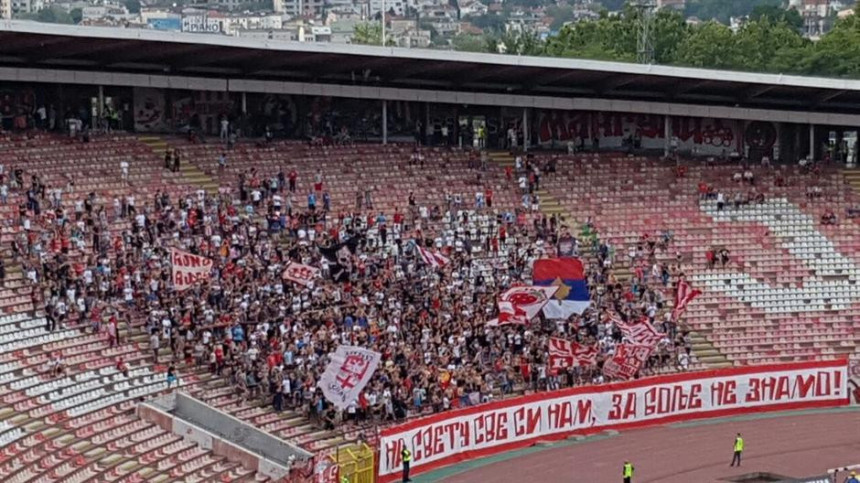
479	431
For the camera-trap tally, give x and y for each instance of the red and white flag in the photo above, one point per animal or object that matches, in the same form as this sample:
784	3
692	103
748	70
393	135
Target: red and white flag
641	332
346	375
627	361
189	269
434	259
300	274
530	299
519	305
565	353
683	296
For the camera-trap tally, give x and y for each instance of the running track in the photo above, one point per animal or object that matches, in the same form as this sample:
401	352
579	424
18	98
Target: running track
796	444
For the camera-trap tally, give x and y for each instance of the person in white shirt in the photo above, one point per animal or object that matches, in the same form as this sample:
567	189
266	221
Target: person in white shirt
123	167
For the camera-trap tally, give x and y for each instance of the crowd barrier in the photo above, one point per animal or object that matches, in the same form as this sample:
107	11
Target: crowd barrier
479	431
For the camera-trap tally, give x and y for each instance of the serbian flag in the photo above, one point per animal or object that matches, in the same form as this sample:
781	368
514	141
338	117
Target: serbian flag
683	296
568	275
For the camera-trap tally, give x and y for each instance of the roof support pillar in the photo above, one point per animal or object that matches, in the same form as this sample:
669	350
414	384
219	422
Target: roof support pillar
812	141
667	134
384	121
100	116
526	140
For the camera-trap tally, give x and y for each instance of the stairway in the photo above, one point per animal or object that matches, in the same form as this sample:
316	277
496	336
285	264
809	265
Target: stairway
549	205
852	177
707	354
190	173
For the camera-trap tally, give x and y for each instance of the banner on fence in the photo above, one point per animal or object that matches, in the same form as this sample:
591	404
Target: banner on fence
488	429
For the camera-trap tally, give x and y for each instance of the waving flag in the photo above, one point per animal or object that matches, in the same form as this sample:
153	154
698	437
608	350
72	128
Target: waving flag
519	305
627	361
340	257
683	296
565	353
509	314
300	274
348	372
530	299
639	333
568	275
433	259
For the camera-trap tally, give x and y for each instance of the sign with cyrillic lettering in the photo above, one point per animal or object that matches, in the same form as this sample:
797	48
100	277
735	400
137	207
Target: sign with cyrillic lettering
487	429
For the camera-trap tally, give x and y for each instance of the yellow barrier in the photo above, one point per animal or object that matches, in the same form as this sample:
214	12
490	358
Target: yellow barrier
356	463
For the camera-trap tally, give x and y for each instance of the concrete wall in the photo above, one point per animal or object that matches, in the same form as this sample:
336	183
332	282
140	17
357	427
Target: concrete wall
226	436
236	431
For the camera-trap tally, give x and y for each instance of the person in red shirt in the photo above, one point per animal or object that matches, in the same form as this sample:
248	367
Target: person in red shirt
293	176
488	196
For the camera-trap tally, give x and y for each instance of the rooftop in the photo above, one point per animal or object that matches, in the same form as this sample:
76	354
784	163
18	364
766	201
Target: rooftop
31	44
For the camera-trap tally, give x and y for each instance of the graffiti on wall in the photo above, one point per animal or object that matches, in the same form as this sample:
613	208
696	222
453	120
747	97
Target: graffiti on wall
15	107
704	135
155	111
150	110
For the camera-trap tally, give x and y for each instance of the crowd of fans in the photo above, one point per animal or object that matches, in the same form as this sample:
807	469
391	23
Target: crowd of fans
102	265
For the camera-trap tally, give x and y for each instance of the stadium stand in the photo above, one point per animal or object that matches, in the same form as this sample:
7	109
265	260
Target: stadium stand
70	392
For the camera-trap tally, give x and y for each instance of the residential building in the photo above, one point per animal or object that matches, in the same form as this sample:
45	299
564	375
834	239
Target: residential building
818	15
472	8
25	6
676	4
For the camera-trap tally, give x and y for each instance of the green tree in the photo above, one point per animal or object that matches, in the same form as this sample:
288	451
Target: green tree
838	52
615	37
77	14
560	16
469	43
488	23
776	14
521	43
764	46
52	14
370	33
722	10
367	34
710	45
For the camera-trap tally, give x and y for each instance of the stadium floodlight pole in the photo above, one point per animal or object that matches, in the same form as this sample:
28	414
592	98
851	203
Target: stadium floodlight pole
645	42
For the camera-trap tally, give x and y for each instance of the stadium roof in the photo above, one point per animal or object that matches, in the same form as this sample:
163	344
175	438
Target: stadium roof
104	49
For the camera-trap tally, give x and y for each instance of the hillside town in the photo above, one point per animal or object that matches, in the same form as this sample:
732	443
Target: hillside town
444	24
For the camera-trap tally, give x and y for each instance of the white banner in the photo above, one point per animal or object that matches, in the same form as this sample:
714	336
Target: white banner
348	372
480	431
189	268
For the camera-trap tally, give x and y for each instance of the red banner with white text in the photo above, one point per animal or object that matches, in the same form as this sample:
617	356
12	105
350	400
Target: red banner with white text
479	431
